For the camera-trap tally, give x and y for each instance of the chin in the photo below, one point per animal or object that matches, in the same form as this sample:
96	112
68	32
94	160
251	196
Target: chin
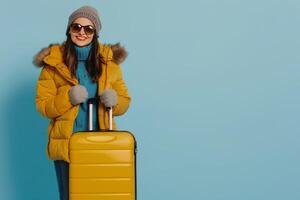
81	44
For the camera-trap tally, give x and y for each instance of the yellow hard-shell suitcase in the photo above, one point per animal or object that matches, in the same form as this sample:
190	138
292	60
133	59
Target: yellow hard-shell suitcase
102	164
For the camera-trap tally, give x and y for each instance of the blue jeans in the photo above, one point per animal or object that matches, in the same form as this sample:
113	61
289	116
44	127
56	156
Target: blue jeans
62	175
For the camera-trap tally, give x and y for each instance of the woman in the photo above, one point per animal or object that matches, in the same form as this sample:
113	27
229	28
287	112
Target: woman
78	69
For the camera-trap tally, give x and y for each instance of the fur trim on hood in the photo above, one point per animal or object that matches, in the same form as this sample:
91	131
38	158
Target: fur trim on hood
119	54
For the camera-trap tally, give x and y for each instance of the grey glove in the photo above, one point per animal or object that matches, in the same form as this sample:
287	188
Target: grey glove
78	94
109	98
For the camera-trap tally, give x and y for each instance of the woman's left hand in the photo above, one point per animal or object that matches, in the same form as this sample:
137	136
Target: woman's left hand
109	98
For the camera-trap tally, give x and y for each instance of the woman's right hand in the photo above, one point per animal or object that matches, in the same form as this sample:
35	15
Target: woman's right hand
78	94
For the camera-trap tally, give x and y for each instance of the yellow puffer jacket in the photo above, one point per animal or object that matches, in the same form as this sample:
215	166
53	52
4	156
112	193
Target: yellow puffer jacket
52	99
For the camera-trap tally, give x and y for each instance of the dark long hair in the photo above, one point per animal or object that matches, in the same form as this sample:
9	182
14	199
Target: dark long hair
94	61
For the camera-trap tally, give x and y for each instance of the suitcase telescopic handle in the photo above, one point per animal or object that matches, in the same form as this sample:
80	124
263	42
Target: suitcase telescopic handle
91	102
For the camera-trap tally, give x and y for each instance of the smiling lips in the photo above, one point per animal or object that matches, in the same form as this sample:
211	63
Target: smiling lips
80	38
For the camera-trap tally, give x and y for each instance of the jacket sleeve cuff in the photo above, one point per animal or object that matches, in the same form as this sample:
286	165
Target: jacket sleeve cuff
122	106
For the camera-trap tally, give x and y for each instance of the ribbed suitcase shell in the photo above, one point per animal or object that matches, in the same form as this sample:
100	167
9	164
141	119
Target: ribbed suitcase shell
102	166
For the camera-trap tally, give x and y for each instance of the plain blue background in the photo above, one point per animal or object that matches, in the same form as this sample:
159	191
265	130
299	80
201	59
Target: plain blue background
215	88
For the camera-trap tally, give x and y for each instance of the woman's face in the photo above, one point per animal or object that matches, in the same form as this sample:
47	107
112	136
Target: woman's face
82	38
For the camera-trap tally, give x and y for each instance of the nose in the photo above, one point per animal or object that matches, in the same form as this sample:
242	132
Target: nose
82	31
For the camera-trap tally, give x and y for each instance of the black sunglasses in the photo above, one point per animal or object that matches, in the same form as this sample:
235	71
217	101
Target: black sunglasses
76	28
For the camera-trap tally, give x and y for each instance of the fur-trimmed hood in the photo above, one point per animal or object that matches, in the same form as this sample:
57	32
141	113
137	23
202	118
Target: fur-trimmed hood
53	54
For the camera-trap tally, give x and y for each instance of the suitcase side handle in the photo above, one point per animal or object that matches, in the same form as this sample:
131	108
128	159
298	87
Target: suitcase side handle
91	102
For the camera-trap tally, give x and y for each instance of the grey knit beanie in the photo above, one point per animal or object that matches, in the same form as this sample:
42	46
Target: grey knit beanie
87	12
